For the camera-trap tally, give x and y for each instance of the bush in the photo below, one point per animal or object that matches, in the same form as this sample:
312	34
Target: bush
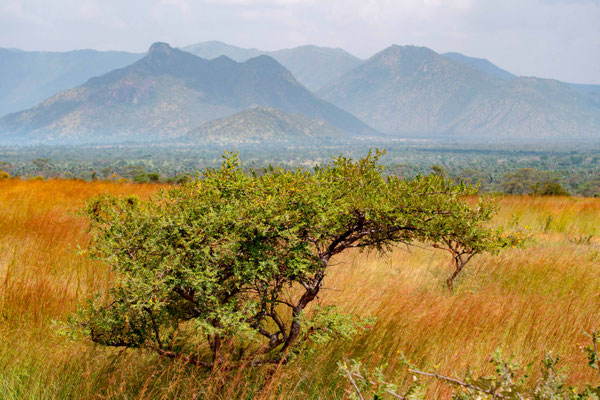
141	178
224	267
180	179
153	177
146	177
549	189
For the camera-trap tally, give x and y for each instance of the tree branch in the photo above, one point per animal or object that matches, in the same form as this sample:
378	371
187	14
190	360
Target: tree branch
193	360
457	382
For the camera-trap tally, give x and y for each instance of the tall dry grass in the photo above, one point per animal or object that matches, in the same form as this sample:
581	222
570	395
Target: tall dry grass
526	302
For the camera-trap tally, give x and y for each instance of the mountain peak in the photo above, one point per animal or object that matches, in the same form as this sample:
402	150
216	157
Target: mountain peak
265	60
160	56
268	63
396	55
408	49
160	48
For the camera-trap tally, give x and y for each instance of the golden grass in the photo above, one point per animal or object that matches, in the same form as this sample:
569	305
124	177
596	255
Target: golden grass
526	302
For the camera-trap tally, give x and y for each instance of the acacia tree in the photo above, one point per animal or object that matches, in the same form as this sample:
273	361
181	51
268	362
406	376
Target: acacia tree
236	257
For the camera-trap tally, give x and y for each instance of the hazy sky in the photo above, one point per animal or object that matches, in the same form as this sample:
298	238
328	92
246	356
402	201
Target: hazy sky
547	38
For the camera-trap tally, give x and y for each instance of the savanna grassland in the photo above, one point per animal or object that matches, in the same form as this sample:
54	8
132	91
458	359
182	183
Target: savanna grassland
526	302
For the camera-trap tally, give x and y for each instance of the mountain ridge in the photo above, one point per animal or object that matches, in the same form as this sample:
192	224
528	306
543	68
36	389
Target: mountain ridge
413	90
311	65
482	65
29	77
486	66
406	90
168	92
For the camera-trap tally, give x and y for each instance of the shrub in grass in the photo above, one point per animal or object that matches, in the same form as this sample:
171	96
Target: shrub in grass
223	268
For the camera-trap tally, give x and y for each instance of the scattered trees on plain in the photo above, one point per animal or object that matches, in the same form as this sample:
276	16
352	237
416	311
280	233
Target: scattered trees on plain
532	181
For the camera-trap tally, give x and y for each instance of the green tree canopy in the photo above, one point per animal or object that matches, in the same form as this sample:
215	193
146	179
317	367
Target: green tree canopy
237	257
533	181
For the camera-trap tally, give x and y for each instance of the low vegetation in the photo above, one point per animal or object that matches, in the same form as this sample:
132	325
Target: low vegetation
508	381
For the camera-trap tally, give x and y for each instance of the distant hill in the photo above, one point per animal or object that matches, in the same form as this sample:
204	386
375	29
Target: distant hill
408	89
214	48
312	66
483	65
592	91
415	91
167	93
28	77
261	124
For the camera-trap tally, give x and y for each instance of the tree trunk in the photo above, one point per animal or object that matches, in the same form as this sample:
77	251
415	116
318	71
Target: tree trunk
309	295
459	264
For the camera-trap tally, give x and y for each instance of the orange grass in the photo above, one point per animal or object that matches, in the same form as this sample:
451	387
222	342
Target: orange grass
526	302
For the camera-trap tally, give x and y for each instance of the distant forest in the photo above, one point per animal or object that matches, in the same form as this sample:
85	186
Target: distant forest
511	169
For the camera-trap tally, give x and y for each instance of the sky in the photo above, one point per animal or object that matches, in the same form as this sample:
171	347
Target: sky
557	39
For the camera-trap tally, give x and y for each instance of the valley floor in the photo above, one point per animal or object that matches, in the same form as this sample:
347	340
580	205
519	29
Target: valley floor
525	302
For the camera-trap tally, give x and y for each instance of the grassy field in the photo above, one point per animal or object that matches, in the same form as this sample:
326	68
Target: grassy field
525	302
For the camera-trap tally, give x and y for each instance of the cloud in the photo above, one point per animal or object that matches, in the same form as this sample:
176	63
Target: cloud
549	38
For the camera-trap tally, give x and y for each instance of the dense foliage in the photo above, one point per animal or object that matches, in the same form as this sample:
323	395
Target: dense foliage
237	257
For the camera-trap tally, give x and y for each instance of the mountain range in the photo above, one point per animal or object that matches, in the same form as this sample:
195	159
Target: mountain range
409	90
402	90
167	93
29	77
483	65
313	66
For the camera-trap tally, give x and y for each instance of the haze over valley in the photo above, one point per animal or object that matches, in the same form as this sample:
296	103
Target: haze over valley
400	92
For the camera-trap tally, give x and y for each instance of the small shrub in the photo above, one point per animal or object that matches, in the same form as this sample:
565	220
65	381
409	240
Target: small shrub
509	381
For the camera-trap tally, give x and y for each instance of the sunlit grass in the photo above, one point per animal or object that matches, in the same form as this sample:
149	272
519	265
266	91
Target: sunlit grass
526	302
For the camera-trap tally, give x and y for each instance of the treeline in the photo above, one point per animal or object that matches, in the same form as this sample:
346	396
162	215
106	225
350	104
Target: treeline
529	181
508	170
